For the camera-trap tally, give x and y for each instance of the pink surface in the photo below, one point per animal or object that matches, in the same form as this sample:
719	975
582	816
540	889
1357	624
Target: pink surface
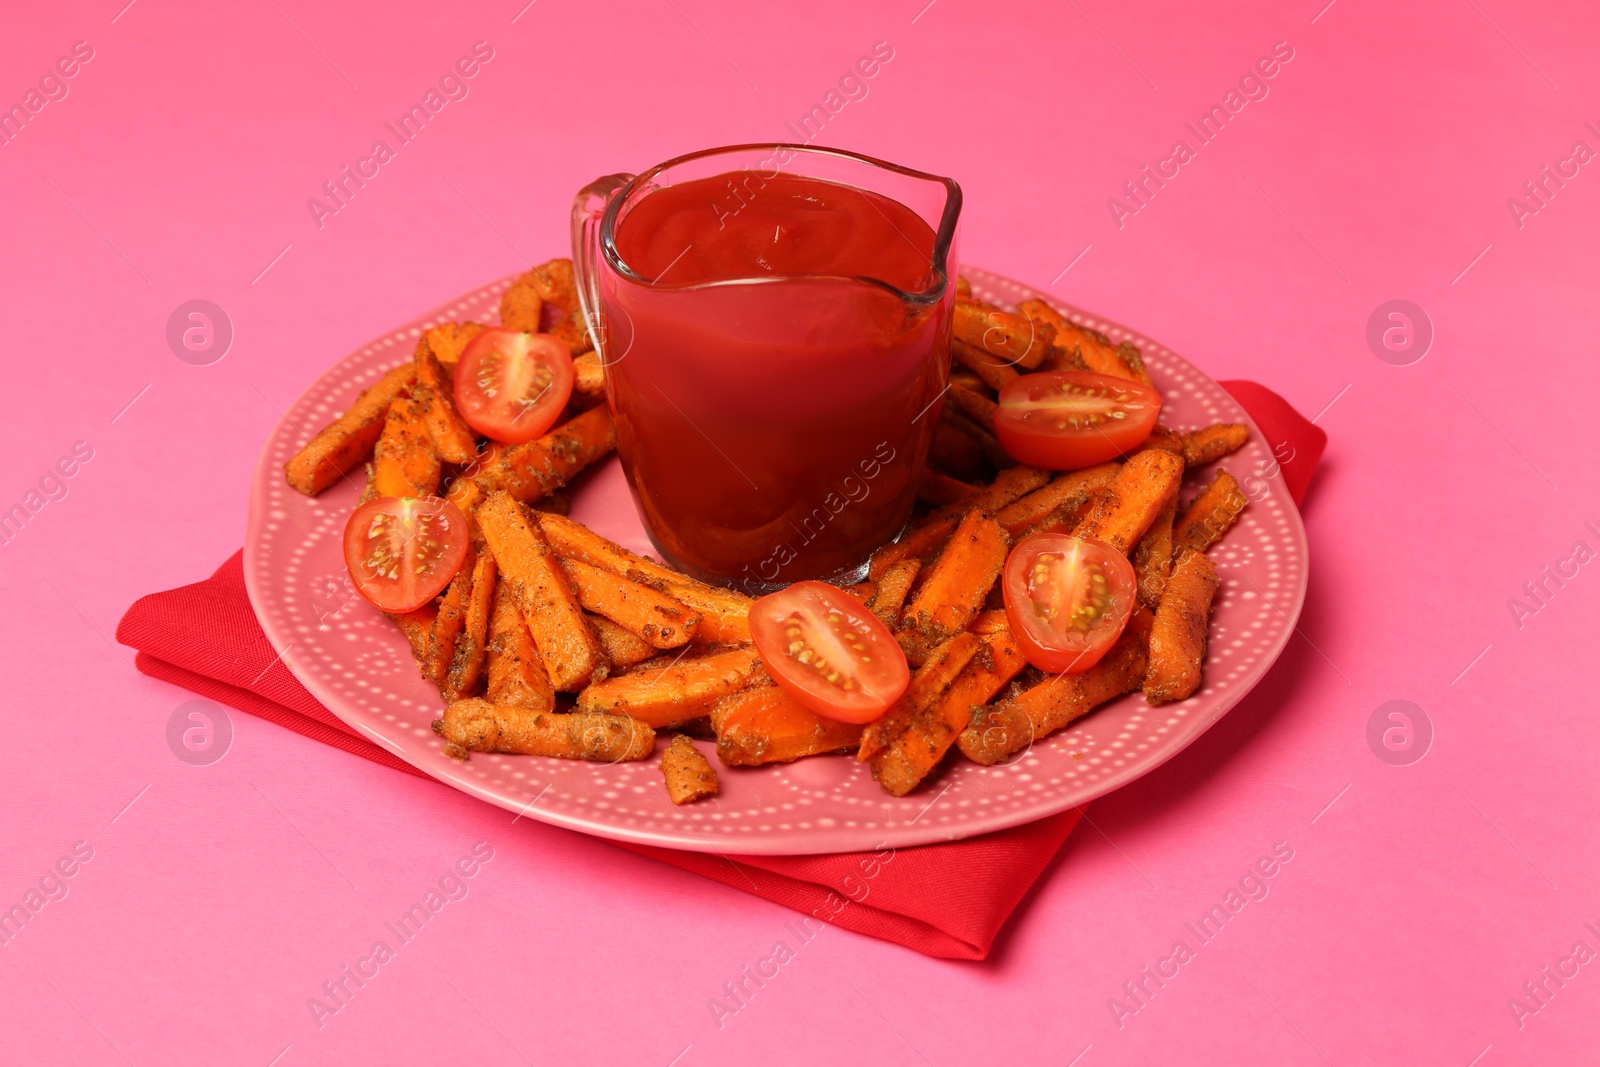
1419	899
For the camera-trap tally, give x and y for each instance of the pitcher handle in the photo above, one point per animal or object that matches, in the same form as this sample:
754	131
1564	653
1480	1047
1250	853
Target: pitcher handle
588	208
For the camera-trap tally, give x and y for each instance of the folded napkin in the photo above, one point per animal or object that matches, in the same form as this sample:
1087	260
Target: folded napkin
948	900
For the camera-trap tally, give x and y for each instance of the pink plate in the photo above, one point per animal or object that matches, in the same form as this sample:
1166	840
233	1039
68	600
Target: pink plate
356	662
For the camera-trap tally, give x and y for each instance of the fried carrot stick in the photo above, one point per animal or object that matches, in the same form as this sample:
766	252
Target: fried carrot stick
956	451
1210	443
767	725
1152	560
452	437
997	731
466	665
724	614
688	774
649	613
416	625
929	536
1069	515
1210	514
1063	488
940	489
589	375
404	462
1014	339
555	283
974	405
1138	493
911	756
893	588
447	340
516	673
956	587
448	623
676	693
521	305
1178	637
996	373
623	647
928	684
988	444
1092	347
541	466
571	654
573	331
476	725
348	439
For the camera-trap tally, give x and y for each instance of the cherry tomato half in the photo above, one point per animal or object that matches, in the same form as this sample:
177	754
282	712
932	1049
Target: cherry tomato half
1067	420
829	652
1068	600
403	551
512	386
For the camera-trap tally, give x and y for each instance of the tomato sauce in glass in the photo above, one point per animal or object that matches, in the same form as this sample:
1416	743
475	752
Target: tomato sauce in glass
773	429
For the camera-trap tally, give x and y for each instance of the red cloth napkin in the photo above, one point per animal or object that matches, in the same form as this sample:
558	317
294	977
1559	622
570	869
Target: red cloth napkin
948	900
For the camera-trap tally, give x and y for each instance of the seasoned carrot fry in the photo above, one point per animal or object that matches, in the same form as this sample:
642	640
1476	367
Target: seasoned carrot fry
1094	349
1128	352
657	618
571	654
989	621
449	623
466	666
417	625
862	591
1138	493
956	451
767	725
573	331
1178	637
589	375
516	673
988	444
929	536
974	405
967	380
541	466
893	587
1210	443
404	462
677	693
1210	514
1013	339
1063	488
996	373
928	684
521	305
447	341
623	647
1063	354
555	283
689	775
452	437
997	731
940	489
476	725
963	288
911	756
348	439
1070	515
724	614
956	586
1152	560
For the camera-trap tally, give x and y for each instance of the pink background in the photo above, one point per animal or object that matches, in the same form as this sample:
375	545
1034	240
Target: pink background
1378	168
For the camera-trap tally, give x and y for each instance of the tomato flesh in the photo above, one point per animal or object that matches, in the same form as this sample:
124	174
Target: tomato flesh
403	551
1068	420
1068	600
512	386
829	652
